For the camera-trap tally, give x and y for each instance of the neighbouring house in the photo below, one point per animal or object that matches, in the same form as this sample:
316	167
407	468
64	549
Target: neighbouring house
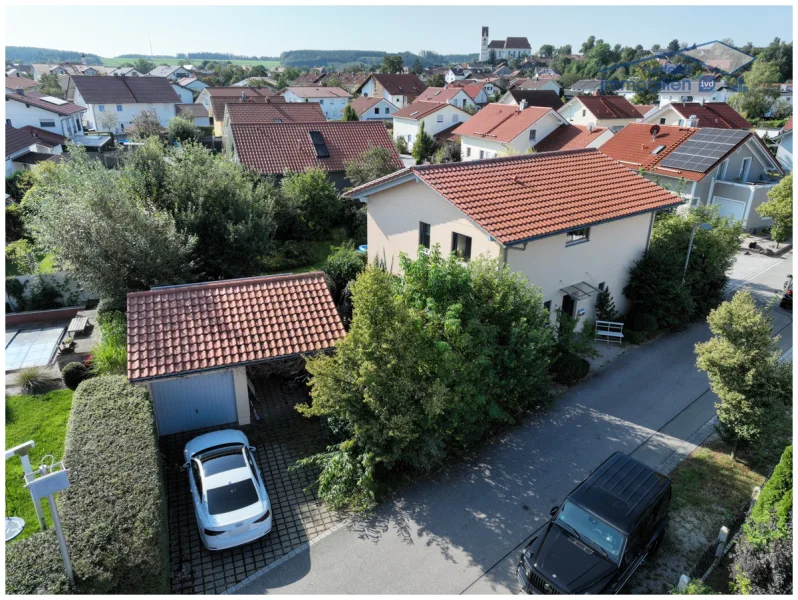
247	113
24	150
21	83
698	114
572	222
125	72
583	87
502	129
278	148
784	97
784	149
190	345
456	96
271	84
502	71
600	111
173	72
646	110
533	83
215	98
70	69
512	47
186	95
373	109
456	74
478	92
331	99
124	98
351	82
436	117
398	89
192	83
546	98
729	168
695	90
197	113
44	112
309	78
574	137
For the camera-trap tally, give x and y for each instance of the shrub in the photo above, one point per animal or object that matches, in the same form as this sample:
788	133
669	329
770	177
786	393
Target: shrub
15	226
18	184
568	368
106	306
287	255
634	337
109	356
771	516
342	266
695	587
114	513
34	566
73	374
763	570
308	206
401	145
182	130
30	379
644	323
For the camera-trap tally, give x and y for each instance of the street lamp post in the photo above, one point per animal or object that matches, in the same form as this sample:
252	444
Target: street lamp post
705	227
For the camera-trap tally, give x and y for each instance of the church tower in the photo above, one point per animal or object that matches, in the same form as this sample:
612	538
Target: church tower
483	49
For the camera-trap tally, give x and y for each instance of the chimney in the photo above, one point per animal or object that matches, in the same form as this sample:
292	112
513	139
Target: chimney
522	104
20	91
243	96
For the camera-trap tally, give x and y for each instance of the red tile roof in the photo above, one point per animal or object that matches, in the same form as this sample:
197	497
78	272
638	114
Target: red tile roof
363	103
13	82
222	324
275	148
502	122
418	110
283	112
318	92
219	102
472	89
519	198
438	94
569	137
398	84
235	91
717	115
609	107
633	145
36	99
787	125
125	90
644	108
448	134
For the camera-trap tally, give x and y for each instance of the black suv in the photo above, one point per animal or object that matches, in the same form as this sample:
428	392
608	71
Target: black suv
602	532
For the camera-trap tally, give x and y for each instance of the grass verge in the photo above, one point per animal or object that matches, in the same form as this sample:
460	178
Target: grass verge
43	419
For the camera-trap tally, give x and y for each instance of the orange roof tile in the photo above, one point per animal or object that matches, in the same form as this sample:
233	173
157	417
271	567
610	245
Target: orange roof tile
634	144
718	115
520	198
438	94
221	324
502	122
569	137
609	107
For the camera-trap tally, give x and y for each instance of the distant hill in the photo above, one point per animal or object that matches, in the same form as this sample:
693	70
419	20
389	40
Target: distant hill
337	58
206	56
29	54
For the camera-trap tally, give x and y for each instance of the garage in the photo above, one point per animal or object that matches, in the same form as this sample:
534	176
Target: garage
190	345
730	208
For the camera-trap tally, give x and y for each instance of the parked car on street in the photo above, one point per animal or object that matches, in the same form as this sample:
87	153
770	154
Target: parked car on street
230	499
786	297
601	533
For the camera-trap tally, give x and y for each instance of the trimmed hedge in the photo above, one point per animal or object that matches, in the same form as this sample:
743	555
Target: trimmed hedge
771	516
114	513
34	566
74	373
569	368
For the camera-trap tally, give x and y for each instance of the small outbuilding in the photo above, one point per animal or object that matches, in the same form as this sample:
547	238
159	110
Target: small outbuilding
190	344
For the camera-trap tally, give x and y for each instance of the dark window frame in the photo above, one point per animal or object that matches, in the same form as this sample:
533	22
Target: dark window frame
466	255
424	234
573	238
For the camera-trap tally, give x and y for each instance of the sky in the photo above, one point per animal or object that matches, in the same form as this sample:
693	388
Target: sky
269	30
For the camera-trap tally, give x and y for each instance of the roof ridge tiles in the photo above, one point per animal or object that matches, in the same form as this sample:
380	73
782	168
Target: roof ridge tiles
215	285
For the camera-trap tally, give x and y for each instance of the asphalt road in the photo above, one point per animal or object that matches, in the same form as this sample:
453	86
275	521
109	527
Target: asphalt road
461	531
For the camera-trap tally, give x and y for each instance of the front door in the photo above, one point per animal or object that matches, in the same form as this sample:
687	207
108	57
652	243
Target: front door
568	305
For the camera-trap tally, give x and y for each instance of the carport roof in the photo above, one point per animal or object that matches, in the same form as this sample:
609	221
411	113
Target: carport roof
219	324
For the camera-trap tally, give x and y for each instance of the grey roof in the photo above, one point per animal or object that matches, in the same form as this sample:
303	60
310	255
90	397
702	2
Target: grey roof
126	90
165	70
17	139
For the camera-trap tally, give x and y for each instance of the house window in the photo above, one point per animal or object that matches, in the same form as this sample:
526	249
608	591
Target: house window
440	119
424	234
409	138
47	123
482	154
662	121
376	110
601	286
321	100
724	166
8	121
387	110
101	108
547	306
584	112
533	134
468	152
455	118
118	108
745	168
461	245
77	125
577	236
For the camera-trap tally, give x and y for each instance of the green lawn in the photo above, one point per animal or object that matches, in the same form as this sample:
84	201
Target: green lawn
43	419
319	251
158	60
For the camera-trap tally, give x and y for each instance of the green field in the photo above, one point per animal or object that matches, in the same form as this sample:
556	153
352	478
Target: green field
158	60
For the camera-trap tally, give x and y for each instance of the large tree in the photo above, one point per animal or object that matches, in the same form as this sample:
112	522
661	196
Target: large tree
143	66
349	114
374	163
742	362
111	241
779	208
759	94
48	83
391	64
436	80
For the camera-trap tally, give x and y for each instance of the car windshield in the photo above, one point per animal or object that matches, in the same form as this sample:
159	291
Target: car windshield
591	529
234	496
223	460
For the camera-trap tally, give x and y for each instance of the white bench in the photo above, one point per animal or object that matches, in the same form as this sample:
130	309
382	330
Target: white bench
609	331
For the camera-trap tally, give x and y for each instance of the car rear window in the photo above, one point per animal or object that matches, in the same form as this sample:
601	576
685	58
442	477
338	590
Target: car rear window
232	497
223	462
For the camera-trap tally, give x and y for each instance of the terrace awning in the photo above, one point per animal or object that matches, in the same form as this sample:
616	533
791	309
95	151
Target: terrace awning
580	291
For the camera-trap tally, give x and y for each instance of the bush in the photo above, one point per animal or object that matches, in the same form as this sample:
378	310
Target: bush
342	266
763	570
106	306
18	184
30	379
35	566
634	337
308	206
401	145
695	587
114	513
644	323
15	226
73	374
182	130
771	516
109	356
287	255
568	368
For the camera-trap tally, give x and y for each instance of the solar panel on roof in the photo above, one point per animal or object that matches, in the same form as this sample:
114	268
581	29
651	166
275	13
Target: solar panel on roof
319	144
703	149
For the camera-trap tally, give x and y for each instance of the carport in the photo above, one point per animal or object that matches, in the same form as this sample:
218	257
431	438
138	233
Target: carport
190	344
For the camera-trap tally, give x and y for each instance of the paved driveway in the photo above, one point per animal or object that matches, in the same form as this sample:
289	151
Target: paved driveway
282	437
461	530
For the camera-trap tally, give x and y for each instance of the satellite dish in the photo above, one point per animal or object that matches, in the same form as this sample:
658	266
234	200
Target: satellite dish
654	131
14	526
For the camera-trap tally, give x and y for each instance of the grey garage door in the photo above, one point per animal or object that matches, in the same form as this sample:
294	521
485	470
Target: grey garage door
730	208
194	402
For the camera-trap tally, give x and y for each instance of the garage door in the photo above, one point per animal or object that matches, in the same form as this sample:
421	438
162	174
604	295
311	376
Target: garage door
730	208
194	402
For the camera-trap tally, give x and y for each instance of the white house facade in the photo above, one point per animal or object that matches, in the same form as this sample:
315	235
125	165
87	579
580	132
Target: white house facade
332	100
436	118
44	112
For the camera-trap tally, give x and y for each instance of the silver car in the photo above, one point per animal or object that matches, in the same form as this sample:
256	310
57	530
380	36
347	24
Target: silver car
230	499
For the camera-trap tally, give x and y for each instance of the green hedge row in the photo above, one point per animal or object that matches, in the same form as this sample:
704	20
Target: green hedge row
114	513
771	516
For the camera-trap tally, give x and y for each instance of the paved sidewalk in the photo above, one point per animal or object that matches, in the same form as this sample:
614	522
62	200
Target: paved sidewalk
461	530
